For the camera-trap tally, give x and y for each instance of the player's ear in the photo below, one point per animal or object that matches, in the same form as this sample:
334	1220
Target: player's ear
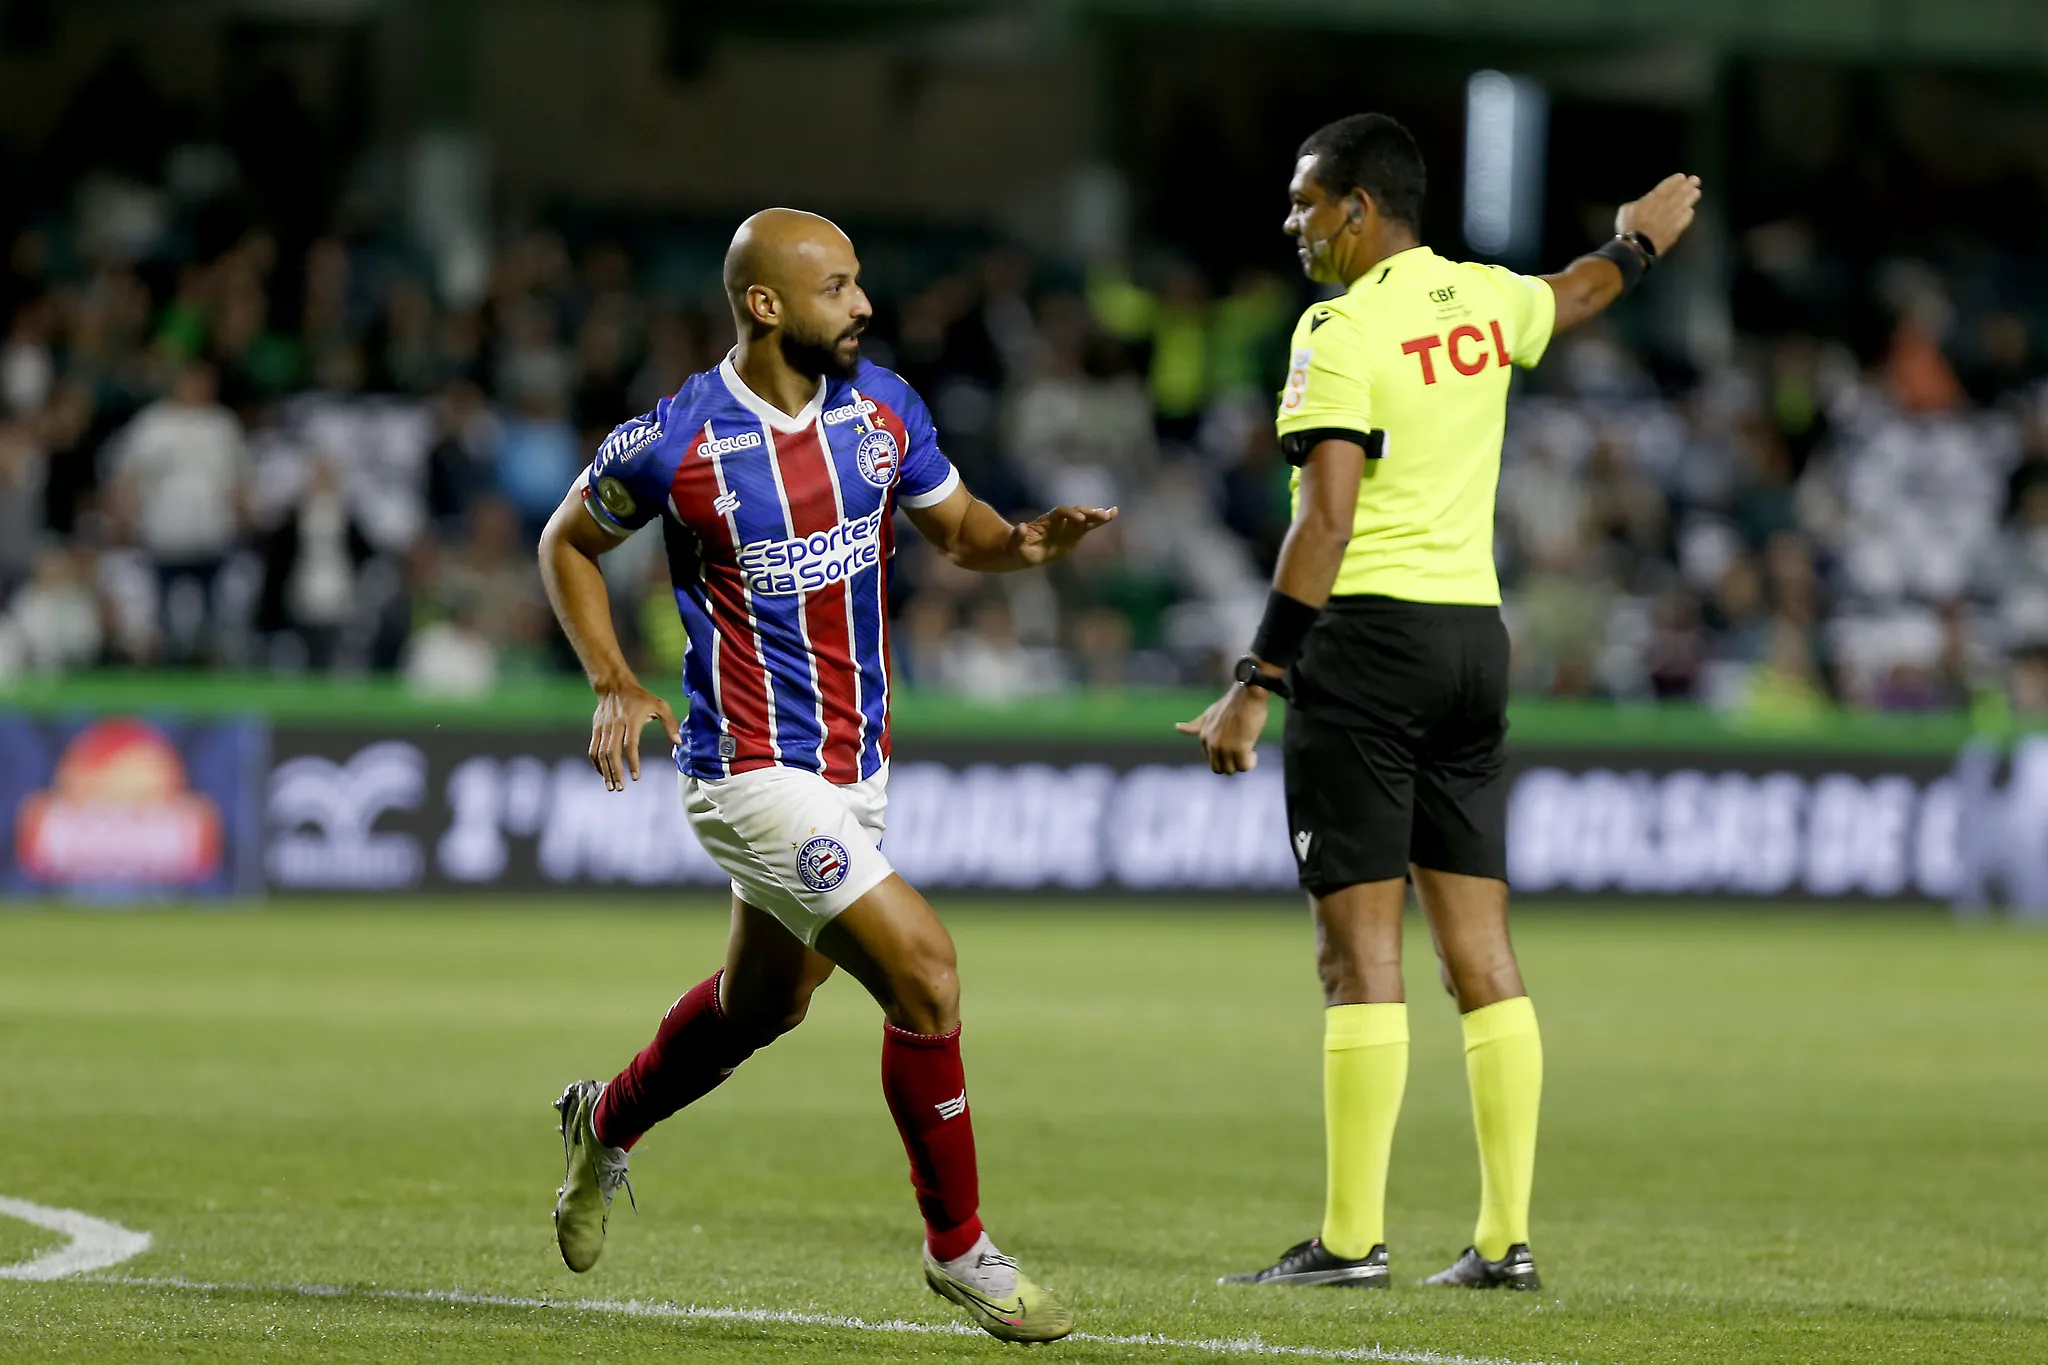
763	306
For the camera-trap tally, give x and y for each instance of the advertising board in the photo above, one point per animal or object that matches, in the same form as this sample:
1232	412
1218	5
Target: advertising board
521	810
124	807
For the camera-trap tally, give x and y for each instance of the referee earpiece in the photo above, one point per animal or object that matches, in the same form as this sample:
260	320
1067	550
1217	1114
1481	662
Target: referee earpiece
1352	211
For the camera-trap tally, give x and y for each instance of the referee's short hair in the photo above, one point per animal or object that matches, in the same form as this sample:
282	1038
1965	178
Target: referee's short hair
1374	153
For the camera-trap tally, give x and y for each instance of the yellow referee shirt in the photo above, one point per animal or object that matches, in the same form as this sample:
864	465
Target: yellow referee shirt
1412	362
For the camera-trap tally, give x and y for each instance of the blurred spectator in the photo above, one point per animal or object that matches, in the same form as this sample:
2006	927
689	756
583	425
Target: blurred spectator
180	468
1786	686
462	464
492	584
987	660
1677	652
2027	681
451	657
23	463
53	623
537	458
311	563
28	371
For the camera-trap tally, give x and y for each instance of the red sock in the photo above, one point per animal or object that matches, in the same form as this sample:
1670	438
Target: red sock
927	1092
693	1052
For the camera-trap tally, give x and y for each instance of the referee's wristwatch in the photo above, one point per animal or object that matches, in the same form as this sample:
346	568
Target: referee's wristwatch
1248	674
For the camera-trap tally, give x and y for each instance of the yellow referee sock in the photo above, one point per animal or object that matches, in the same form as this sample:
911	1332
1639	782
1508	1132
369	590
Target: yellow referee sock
1365	1070
1504	1063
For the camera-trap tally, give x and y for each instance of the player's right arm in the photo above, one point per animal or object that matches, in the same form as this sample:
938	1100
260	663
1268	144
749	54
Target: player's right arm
1588	285
608	503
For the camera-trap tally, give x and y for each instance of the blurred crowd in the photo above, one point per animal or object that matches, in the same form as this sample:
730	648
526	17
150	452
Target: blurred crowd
219	450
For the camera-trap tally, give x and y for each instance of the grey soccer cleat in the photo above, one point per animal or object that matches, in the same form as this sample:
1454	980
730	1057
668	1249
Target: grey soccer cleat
1310	1263
594	1174
1516	1270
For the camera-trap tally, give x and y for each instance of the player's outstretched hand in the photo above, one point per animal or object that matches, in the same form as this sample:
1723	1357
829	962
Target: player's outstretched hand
1230	730
1050	537
1664	213
622	712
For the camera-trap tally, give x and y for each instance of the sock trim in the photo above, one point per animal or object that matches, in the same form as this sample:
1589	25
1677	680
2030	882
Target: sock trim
909	1039
1509	1018
1353	1026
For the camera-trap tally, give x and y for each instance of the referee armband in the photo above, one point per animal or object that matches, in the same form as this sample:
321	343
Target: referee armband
1296	445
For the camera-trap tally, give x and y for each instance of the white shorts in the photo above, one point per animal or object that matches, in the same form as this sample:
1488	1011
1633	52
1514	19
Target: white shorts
795	845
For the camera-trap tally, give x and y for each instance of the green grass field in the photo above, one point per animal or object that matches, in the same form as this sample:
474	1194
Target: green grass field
1783	1137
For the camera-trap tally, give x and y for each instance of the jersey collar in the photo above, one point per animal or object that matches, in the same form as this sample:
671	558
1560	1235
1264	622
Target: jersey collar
1386	263
753	402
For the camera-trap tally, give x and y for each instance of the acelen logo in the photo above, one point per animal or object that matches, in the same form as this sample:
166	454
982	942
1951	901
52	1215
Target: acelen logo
1465	346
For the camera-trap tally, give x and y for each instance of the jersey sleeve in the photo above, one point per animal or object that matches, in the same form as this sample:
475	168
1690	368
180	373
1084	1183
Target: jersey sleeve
1531	313
928	477
627	483
1329	389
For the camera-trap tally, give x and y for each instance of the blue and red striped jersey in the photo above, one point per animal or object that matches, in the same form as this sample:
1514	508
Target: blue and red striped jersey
779	532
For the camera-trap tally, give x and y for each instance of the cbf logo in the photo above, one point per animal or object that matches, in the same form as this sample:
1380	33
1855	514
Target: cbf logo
822	862
878	455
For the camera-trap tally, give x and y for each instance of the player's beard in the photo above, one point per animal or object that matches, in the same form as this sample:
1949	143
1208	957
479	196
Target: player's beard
818	356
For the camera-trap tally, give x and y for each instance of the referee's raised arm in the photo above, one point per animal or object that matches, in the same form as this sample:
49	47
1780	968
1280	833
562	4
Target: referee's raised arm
1644	229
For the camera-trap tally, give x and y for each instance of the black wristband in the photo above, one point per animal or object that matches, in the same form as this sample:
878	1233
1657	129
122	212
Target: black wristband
1283	628
1628	258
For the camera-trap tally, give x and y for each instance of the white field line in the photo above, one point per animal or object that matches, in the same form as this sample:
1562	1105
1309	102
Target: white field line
634	1308
95	1243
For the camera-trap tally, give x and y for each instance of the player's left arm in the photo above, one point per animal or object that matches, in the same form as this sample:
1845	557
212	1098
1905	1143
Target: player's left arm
1588	285
975	536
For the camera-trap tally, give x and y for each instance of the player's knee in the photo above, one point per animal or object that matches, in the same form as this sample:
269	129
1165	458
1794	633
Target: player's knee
926	990
1353	973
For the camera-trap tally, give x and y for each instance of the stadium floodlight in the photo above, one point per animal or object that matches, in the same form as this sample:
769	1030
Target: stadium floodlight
1505	122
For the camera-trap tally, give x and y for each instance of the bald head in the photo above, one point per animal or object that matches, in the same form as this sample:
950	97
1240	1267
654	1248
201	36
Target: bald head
776	246
793	275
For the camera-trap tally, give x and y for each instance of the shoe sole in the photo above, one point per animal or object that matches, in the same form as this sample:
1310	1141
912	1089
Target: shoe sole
1517	1284
1375	1278
986	1320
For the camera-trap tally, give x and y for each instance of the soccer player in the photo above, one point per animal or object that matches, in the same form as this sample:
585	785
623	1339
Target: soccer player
1383	632
776	478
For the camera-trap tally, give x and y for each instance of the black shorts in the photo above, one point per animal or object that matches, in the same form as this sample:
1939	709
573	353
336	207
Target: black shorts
1395	743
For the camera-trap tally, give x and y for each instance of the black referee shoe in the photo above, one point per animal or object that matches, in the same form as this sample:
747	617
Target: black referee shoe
1516	1270
1308	1263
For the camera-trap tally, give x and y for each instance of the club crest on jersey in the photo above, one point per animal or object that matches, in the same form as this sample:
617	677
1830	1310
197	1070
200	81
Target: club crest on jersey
879	455
822	862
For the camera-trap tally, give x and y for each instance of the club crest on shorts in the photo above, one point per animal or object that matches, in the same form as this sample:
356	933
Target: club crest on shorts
878	455
822	862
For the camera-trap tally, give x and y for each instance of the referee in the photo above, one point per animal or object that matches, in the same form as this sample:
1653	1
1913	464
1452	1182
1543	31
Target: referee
1383	632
